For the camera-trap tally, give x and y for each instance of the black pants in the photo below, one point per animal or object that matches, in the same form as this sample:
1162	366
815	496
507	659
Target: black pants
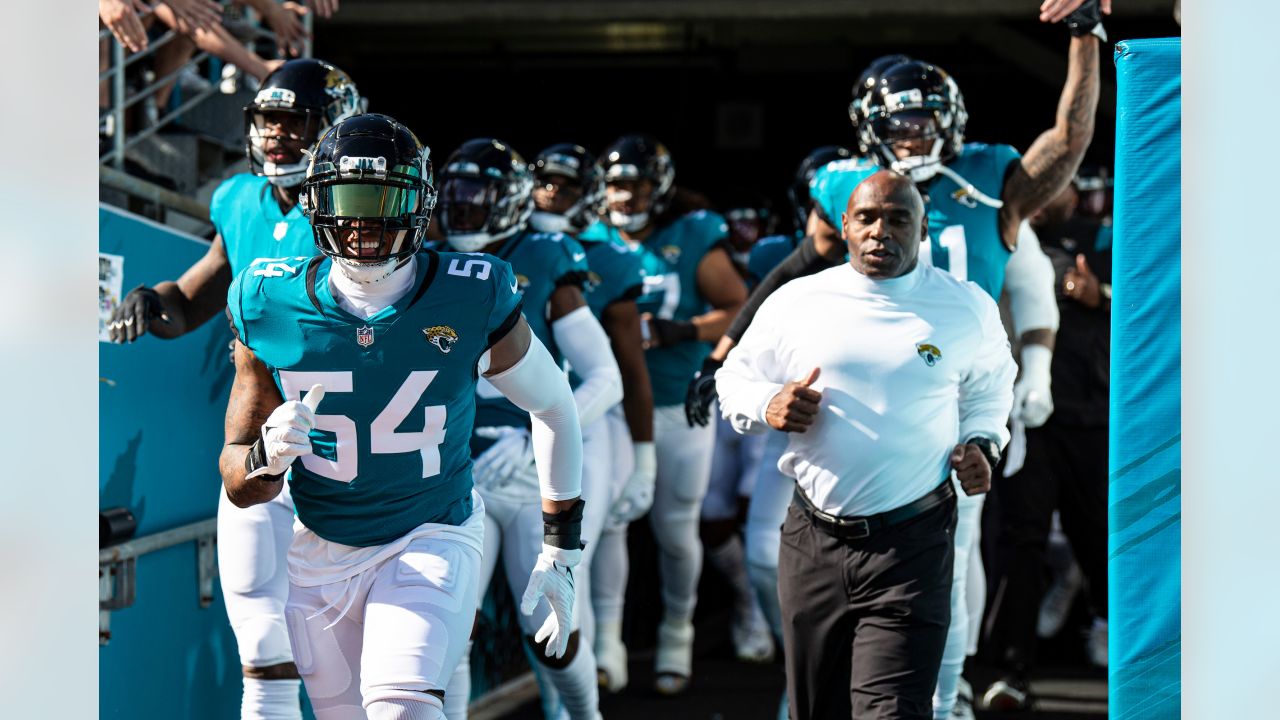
1065	470
869	614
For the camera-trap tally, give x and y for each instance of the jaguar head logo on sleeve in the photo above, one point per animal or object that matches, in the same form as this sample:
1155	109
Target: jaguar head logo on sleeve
442	336
929	353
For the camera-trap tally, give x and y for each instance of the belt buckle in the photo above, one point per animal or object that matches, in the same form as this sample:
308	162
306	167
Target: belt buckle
860	528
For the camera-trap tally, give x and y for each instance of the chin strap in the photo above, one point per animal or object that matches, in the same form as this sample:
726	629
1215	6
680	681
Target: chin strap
969	187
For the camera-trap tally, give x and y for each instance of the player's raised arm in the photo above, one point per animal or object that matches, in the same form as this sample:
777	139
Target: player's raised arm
263	433
1052	160
174	308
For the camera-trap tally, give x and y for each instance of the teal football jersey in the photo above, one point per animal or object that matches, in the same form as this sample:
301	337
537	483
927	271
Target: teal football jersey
614	274
671	292
247	216
964	234
391	437
541	263
768	253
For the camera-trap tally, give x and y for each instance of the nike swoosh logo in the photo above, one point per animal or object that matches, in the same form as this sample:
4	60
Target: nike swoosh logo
515	287
579	256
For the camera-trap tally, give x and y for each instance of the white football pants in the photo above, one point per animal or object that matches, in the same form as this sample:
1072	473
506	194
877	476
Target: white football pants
769	501
684	469
253	552
967	600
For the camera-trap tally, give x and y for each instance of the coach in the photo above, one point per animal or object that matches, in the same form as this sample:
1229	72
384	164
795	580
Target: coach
900	362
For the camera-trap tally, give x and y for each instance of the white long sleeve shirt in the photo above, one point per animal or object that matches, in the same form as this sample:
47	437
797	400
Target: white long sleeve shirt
910	367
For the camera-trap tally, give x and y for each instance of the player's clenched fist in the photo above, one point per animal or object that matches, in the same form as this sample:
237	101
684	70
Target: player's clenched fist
972	469
796	407
284	435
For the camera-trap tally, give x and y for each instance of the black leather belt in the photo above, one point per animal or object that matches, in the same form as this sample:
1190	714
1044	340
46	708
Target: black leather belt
856	528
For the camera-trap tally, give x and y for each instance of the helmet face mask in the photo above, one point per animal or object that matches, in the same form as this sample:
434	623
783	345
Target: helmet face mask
488	194
569	192
369	194
296	105
634	158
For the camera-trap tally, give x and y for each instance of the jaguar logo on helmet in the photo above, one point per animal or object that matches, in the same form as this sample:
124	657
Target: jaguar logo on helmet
929	353
442	336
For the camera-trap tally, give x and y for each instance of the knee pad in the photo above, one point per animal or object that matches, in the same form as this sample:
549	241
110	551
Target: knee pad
539	650
425	707
262	640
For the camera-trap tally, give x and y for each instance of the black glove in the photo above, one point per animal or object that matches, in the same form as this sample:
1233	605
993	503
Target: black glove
1086	20
701	392
665	333
133	315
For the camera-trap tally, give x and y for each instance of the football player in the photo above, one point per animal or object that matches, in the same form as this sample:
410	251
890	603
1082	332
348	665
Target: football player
692	292
256	215
486	202
356	375
568	195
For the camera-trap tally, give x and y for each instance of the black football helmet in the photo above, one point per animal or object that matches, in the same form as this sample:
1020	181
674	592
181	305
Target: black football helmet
369	174
639	157
580	168
798	192
914	100
486	194
862	89
317	93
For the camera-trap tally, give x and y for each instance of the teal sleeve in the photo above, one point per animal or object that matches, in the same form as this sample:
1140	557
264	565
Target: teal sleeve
571	262
235	309
1002	158
504	312
218	204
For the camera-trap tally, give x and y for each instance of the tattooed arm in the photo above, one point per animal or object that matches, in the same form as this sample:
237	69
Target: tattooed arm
253	396
1052	160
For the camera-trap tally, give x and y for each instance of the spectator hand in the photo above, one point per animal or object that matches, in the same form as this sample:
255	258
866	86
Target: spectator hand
795	408
121	18
324	8
132	317
637	495
552	578
284	434
971	468
510	453
193	15
285	20
1052	11
1032	398
1081	285
701	393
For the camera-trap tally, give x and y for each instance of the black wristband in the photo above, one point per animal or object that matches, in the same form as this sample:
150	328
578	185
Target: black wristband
564	529
256	459
988	447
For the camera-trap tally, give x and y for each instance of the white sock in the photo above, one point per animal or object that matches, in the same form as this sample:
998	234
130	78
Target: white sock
458	694
399	709
270	700
728	559
577	684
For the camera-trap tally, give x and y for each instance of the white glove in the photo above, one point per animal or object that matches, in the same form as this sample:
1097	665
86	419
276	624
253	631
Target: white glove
510	453
552	578
637	495
1032	401
284	434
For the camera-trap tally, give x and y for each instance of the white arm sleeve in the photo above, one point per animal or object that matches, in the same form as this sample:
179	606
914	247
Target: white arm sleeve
986	391
1029	280
586	346
537	385
751	373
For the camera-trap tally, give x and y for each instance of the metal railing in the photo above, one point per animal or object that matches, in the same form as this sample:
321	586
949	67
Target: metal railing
121	101
117	568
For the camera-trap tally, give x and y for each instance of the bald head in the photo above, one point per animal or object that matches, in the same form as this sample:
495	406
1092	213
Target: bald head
884	224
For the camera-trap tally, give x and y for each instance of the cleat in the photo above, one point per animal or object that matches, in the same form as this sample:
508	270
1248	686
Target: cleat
673	662
1007	694
611	657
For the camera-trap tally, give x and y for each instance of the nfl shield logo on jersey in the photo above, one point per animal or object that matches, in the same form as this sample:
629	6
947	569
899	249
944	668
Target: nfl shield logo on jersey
364	336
